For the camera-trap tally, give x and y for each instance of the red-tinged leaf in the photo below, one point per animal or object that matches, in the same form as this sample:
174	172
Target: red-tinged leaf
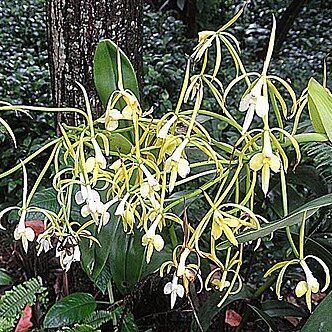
37	226
232	318
24	324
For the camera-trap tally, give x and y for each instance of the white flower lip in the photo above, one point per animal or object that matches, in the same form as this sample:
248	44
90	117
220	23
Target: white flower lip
174	289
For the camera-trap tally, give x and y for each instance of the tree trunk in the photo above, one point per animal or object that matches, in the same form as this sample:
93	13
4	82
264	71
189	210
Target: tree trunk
286	22
74	29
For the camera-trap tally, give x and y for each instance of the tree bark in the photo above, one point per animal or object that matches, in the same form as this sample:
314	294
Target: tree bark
74	29
286	22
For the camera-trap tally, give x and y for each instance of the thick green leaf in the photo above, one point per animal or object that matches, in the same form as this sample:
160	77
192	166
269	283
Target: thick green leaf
5	278
126	257
320	108
103	279
266	318
105	71
94	257
119	143
157	259
210	308
70	310
294	218
321	319
275	308
45	199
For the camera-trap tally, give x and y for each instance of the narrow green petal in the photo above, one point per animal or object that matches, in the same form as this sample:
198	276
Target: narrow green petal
230	235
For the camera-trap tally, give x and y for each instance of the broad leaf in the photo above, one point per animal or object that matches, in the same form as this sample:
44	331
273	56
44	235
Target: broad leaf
119	143
320	108
70	310
126	257
321	319
105	69
45	199
266	318
94	257
275	308
294	218
103	279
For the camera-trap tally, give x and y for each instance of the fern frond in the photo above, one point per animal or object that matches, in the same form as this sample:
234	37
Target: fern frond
7	324
98	318
320	155
80	328
14	300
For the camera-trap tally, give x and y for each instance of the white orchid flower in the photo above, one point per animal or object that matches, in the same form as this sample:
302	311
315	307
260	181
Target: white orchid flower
174	289
132	105
310	285
116	165
151	179
23	233
254	101
177	165
163	132
121	207
44	242
68	251
182	263
307	287
112	119
148	189
151	240
265	160
98	161
89	196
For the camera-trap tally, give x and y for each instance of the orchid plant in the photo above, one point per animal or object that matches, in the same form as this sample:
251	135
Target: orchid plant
143	183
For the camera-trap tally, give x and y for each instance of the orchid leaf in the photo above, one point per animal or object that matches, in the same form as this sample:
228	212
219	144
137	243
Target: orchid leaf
320	108
294	218
105	70
321	318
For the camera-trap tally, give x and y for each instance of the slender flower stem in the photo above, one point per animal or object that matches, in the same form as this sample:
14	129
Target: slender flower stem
301	236
285	208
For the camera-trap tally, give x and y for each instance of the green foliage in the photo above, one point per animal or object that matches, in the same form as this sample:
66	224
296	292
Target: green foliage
7	324
294	218
321	319
70	310
14	300
24	79
320	155
23	52
164	47
98	318
320	108
105	71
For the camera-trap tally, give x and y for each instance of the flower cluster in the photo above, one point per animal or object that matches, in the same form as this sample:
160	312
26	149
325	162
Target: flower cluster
138	172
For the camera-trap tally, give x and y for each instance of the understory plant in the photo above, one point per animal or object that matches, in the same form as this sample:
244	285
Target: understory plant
122	184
